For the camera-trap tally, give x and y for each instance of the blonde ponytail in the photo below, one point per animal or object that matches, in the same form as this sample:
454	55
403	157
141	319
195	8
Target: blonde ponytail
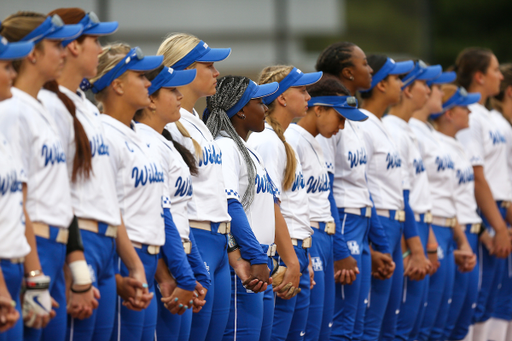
276	74
185	133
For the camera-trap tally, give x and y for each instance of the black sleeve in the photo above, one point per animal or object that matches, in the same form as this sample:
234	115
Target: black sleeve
75	238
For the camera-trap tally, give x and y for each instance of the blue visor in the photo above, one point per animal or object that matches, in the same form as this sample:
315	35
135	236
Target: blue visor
53	28
294	78
169	78
93	27
17	50
135	61
421	72
253	91
201	53
443	78
346	106
461	98
390	68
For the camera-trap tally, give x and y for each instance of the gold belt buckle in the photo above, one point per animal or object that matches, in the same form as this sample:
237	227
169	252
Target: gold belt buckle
271	251
111	231
62	236
306	243
428	218
187	246
330	227
400	216
224	227
153	249
475	228
368	212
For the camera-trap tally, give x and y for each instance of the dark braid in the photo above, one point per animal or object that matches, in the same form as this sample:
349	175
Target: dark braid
229	91
335	58
376	62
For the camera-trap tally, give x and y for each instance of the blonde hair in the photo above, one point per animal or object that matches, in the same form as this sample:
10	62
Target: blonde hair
448	91
276	74
109	57
174	48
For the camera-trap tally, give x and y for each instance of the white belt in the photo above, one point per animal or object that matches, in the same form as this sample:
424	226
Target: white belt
187	246
330	226
427	217
399	214
271	251
92	226
43	230
16	260
444	222
359	211
152	249
306	243
224	227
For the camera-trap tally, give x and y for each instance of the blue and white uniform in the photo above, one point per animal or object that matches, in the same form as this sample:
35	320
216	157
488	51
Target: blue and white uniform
465	286
440	170
384	174
290	316
251	314
318	188
94	202
139	185
416	188
486	146
33	134
208	215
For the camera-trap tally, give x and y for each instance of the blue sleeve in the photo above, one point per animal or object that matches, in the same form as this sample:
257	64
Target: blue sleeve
174	255
377	234
410	228
197	264
241	230
340	248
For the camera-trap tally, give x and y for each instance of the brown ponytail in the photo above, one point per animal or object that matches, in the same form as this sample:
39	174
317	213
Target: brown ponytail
82	163
276	74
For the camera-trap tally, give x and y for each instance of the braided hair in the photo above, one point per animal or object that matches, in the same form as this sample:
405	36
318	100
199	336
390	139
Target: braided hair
229	91
335	58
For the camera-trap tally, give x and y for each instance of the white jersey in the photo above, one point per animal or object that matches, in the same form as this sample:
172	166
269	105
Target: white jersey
294	202
506	130
384	169
178	182
33	135
439	166
13	243
464	182
260	213
315	172
139	182
209	201
346	158
93	198
415	177
486	146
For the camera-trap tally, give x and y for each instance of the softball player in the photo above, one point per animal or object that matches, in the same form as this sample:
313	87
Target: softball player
346	158
453	118
234	110
33	132
140	178
326	115
290	101
417	193
14	245
163	109
478	71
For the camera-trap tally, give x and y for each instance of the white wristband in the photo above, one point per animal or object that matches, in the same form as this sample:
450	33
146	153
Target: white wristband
80	271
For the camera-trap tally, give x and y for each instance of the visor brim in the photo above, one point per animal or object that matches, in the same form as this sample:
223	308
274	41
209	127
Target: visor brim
16	50
351	114
265	90
102	29
180	78
402	67
431	72
67	32
215	55
148	63
308	79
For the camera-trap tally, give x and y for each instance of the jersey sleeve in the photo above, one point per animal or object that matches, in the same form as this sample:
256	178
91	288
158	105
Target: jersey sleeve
472	140
329	150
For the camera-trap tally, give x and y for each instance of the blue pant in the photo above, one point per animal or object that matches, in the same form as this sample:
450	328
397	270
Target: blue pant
268	315
99	253
384	302
321	307
210	322
413	293
172	327
503	302
351	300
290	316
13	276
465	294
490	277
137	325
440	287
52	256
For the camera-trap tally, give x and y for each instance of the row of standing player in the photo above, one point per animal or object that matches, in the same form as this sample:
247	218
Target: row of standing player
121	96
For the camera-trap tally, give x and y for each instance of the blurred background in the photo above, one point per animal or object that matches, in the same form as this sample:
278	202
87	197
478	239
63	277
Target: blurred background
265	32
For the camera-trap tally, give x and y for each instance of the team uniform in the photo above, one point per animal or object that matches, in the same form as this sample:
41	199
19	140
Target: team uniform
415	181
139	185
34	136
209	219
290	316
465	291
487	146
94	202
384	174
440	170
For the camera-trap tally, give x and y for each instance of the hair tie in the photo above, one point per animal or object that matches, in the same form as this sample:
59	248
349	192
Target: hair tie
85	84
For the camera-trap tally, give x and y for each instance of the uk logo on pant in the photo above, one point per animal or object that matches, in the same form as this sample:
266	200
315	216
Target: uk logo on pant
353	247
317	264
